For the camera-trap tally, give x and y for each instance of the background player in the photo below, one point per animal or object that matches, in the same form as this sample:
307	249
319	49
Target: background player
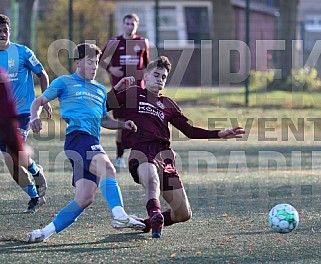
128	55
83	107
151	160
20	62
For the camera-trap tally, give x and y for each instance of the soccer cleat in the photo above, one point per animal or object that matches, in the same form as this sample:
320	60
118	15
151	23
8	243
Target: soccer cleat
34	204
120	163
157	223
36	236
40	181
142	220
130	222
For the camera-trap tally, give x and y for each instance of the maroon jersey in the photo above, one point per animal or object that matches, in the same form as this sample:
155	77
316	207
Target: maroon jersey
132	55
8	118
152	115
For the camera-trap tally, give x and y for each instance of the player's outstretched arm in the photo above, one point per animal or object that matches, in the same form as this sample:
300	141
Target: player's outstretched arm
236	132
35	110
113	124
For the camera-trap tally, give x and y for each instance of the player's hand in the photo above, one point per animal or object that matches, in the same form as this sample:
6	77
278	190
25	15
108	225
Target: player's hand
124	83
116	71
130	125
48	109
36	125
236	132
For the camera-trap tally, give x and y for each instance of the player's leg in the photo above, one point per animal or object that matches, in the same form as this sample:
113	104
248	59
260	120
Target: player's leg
84	195
17	172
148	177
104	169
35	170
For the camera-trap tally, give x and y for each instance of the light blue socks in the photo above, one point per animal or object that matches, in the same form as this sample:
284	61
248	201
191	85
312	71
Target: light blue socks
111	192
67	216
31	190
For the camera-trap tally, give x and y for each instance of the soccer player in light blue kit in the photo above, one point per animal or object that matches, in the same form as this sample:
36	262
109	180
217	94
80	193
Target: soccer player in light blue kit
20	62
83	107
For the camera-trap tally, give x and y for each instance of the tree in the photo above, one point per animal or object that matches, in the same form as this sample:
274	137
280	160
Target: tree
24	26
286	30
91	21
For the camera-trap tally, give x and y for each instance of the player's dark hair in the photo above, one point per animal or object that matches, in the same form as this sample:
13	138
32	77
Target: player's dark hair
131	16
86	49
160	63
5	20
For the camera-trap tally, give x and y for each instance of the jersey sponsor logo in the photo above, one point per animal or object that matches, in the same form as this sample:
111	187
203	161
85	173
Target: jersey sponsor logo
13	76
33	60
147	108
100	92
11	62
129	60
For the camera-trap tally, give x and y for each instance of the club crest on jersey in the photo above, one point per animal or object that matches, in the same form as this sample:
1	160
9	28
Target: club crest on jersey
137	48
11	63
160	105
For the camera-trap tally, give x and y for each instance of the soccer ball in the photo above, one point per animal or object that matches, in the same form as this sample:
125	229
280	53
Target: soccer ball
283	218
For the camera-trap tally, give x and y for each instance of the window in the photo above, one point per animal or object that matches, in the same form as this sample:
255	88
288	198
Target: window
313	23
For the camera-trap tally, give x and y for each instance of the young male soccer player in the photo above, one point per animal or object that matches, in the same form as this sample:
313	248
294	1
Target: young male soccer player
83	107
152	161
20	62
129	56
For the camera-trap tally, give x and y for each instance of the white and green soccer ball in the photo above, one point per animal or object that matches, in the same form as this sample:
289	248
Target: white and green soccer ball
283	218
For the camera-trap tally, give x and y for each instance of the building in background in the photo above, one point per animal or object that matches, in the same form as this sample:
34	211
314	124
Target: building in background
309	31
190	34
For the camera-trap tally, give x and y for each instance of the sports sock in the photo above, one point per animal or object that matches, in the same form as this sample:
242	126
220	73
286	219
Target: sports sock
120	149
31	190
153	207
119	213
167	218
49	230
111	192
67	216
33	168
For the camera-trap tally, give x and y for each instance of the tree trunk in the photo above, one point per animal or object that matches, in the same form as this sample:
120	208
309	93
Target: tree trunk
287	31
25	17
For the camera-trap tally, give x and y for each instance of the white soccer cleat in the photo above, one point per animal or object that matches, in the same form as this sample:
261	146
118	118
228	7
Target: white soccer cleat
128	223
120	163
36	236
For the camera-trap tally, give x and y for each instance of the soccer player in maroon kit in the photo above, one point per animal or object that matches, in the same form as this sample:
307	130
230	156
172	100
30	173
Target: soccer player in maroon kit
129	56
9	129
152	161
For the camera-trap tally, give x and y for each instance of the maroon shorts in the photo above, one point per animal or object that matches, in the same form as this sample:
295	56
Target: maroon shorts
164	159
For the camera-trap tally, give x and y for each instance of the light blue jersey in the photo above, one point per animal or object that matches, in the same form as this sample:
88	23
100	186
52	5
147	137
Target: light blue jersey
19	62
82	102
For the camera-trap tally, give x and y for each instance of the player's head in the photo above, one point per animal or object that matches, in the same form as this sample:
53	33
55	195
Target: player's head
5	30
156	73
86	57
130	24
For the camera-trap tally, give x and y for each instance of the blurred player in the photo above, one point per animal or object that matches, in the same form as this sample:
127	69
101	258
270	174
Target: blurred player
83	107
129	56
20	62
151	160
